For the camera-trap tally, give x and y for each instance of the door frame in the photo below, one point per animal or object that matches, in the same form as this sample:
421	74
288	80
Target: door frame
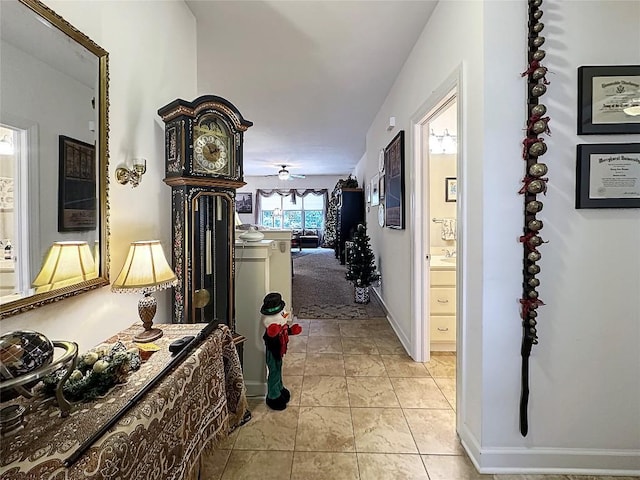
451	87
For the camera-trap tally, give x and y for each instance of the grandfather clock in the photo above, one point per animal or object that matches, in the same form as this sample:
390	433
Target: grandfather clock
203	167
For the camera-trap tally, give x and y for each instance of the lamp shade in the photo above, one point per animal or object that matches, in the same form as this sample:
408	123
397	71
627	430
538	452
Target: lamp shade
146	269
283	174
237	220
66	263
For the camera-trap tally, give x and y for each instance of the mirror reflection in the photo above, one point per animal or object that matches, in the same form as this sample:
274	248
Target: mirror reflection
53	158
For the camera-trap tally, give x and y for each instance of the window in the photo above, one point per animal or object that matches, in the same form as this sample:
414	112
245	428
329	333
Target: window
280	211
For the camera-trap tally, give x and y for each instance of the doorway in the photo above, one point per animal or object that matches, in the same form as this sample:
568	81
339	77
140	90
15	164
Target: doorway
437	242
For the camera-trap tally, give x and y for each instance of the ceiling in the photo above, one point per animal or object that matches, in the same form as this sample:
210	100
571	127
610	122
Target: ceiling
310	75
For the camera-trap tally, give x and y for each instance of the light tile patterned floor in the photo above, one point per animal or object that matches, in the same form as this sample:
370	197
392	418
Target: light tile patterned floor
360	408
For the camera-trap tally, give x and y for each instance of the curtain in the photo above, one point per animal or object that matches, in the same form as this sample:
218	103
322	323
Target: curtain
296	193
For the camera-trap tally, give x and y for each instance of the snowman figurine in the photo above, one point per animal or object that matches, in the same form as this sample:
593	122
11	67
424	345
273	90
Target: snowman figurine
277	323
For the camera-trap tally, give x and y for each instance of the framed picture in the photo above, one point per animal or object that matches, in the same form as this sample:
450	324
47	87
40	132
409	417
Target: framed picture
608	175
381	187
244	202
77	185
450	189
367	189
608	99
394	182
375	193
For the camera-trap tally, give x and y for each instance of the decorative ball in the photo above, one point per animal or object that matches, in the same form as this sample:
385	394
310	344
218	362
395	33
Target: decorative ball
90	357
537	14
533	306
539	126
538	169
538	27
534	206
538	110
533	314
534	256
538	41
535	186
537	149
539	73
535	241
534	341
532	321
532	294
533	269
537	3
23	351
100	366
539	55
533	282
535	225
532	330
75	375
538	89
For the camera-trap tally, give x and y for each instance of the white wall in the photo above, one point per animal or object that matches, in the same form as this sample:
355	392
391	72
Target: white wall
152	61
584	410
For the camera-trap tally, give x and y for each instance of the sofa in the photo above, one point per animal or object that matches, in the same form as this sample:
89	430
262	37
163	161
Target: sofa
309	238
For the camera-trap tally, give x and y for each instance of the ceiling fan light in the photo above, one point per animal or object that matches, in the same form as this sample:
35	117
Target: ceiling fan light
283	174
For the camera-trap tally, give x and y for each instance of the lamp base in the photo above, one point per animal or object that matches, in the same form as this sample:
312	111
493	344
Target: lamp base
147	336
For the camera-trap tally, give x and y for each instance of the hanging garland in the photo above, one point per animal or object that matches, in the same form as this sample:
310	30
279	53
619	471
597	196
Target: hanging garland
533	184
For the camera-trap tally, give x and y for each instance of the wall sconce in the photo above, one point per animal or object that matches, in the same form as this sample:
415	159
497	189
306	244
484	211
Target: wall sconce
132	173
445	143
6	145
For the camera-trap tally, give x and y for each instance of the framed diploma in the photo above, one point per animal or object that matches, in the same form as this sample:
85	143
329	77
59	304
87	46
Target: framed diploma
608	99
608	175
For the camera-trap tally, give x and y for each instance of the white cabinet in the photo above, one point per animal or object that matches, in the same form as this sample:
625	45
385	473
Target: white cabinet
442	309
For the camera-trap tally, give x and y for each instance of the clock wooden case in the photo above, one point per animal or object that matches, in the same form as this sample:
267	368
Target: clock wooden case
203	167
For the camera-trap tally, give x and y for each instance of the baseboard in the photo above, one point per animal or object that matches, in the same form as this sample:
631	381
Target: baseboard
256	389
406	342
549	461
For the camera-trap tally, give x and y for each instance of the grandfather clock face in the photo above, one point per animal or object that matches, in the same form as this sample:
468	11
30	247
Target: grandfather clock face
212	146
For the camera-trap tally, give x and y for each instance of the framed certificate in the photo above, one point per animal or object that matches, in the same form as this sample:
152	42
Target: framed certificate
608	99
608	175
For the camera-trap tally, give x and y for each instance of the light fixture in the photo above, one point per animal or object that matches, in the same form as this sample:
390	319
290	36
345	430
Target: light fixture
6	145
445	143
132	172
66	263
392	123
145	271
284	174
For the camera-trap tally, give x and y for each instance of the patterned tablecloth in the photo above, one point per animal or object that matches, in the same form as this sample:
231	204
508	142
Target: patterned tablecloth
160	437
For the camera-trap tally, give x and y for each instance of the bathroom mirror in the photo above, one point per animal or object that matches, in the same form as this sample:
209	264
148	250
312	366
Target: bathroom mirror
53	156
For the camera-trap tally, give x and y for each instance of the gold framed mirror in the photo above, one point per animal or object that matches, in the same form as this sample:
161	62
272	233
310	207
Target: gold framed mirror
53	158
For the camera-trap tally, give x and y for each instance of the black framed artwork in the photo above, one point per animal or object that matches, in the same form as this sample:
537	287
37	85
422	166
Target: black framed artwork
394	182
608	175
244	202
608	99
450	189
77	186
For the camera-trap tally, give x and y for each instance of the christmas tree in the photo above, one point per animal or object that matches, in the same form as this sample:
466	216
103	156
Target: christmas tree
362	266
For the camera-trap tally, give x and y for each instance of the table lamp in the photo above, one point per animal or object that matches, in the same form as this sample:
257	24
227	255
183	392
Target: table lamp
145	271
66	263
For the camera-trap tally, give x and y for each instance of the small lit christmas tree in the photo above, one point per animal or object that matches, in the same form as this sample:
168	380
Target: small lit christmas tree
361	270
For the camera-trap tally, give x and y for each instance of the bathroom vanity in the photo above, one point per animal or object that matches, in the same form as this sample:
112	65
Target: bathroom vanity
442	303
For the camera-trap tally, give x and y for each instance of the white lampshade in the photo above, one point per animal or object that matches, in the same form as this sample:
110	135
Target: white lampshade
237	220
146	269
66	263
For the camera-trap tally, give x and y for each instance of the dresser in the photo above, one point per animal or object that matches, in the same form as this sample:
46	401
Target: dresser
442	308
349	213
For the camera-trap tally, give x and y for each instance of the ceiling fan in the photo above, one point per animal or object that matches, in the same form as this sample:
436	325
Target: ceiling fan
284	174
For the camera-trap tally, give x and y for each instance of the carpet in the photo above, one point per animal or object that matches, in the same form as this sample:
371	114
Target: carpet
321	291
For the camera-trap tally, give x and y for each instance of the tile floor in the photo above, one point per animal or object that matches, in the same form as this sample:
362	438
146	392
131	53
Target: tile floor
360	408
